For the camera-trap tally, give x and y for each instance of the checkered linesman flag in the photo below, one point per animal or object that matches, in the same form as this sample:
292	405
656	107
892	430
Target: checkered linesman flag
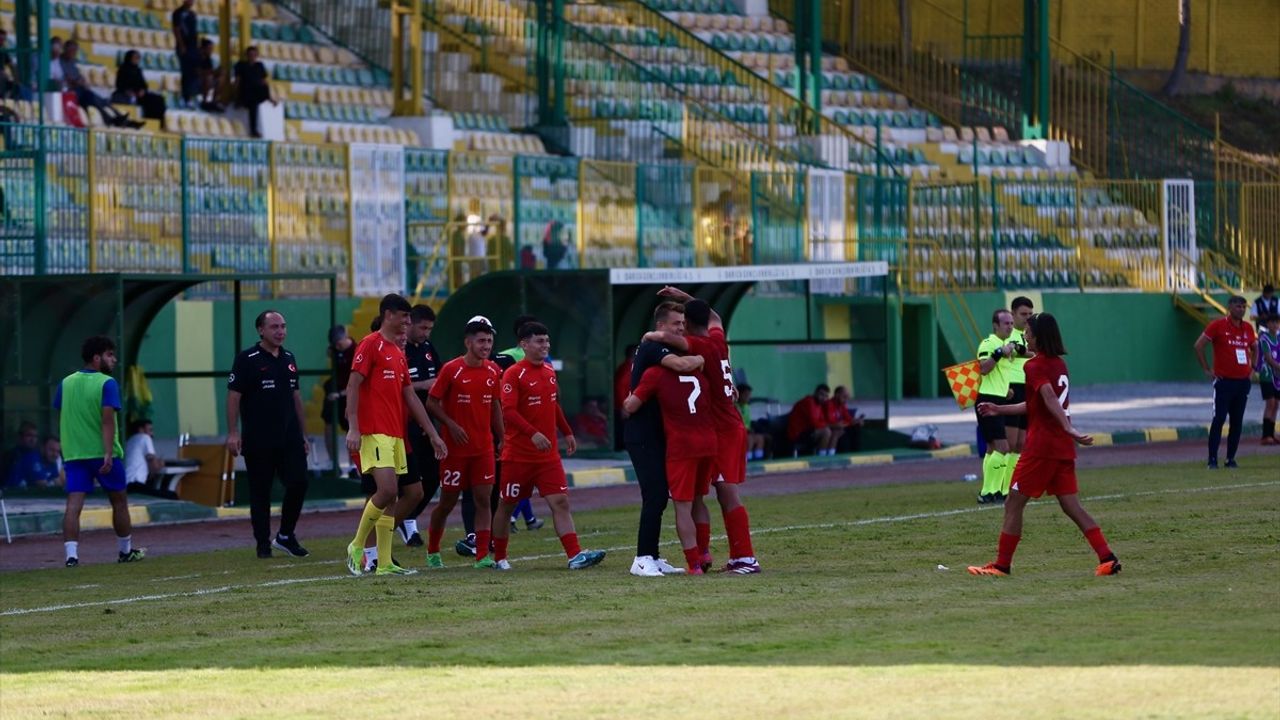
964	380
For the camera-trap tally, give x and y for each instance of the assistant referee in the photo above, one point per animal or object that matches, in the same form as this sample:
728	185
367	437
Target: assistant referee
263	399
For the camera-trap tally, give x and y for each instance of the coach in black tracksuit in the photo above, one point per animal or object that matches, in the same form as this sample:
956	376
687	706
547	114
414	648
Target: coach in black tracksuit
646	443
262	393
424	366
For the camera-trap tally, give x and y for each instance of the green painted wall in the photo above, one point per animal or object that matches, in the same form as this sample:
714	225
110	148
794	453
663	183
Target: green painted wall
784	376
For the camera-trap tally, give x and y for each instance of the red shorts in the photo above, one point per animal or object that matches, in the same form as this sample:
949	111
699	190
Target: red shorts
463	473
731	459
1035	476
520	478
688	478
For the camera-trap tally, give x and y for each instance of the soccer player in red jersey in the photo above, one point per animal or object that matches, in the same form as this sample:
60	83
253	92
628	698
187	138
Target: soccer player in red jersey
1048	462
706	338
691	446
465	400
531	415
378	394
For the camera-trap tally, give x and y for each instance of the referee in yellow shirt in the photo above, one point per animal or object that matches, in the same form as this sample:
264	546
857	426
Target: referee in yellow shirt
995	362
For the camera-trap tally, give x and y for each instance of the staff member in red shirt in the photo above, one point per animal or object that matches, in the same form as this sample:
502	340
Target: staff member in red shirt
1234	343
808	419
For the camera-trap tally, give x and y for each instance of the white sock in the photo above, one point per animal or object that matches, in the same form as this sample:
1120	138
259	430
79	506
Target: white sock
125	544
410	527
73	549
370	554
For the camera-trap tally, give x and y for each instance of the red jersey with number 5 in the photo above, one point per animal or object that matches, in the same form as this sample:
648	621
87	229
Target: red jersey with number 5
717	375
1045	437
686	411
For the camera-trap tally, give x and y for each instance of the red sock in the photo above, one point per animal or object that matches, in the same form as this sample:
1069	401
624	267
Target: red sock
693	557
434	534
570	543
1004	551
482	544
737	525
704	537
1097	542
500	548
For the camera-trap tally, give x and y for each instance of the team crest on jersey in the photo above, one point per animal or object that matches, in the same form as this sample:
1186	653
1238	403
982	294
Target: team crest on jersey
506	388
293	368
489	382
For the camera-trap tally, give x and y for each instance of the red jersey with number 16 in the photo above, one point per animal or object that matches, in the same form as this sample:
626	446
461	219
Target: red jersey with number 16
530	404
686	411
381	410
718	376
1045	437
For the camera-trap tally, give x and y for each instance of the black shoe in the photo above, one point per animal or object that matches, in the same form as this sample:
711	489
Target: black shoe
534	524
134	555
415	540
985	499
514	527
264	552
1231	464
998	498
1212	464
466	547
290	545
72	562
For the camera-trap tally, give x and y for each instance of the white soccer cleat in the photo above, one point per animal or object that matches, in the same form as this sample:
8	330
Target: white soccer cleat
502	565
667	568
645	566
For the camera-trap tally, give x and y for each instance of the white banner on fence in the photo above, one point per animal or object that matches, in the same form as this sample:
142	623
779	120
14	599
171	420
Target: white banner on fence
377	219
748	273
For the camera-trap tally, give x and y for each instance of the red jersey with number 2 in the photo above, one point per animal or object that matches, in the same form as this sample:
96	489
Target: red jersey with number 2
717	375
686	411
381	409
1045	437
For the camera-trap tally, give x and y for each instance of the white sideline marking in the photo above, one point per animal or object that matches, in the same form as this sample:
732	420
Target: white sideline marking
759	531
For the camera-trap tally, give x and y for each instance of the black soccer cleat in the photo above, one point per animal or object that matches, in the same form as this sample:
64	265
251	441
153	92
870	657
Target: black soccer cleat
73	561
1231	465
290	546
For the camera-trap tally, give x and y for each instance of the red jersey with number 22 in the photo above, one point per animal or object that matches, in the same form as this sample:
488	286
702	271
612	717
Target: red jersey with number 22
467	395
686	411
1045	437
381	409
717	374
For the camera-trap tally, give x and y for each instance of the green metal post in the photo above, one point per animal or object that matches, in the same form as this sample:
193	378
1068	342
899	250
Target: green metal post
41	220
995	245
640	216
557	68
1035	66
186	206
333	367
814	48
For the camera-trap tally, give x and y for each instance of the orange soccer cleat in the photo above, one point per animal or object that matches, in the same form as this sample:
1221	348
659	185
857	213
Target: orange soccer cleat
1110	566
989	569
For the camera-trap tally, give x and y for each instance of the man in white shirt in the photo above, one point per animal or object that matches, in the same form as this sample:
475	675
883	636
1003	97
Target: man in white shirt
140	459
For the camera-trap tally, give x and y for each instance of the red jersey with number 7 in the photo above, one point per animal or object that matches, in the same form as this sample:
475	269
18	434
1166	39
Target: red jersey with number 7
718	376
1045	436
686	411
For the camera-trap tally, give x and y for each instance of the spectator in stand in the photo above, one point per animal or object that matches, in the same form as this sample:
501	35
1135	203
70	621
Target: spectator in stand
757	442
23	454
143	468
131	88
185	24
55	64
42	468
1267	305
808	423
10	88
591	425
84	95
554	248
845	425
251	88
208	75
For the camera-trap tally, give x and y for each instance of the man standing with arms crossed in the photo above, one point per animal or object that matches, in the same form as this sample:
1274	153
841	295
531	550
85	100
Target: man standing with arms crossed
995	362
647	444
1015	426
464	399
706	339
263	399
89	401
424	366
531	414
377	395
1233	346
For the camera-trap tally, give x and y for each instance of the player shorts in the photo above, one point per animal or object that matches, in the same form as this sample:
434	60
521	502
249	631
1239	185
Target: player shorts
731	457
992	427
520	478
82	473
383	451
688	478
1268	389
1036	476
464	473
1019	395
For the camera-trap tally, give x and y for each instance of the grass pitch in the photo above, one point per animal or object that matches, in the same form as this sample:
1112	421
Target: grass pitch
852	617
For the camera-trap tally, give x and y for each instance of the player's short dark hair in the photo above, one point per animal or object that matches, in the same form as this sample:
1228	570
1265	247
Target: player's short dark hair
336	333
1022	301
1044	328
841	387
54	438
1237	299
96	345
1268	318
376	325
531	329
698	313
475	328
521	321
1268	288
746	387
136	426
394	302
666	309
262	317
995	316
822	387
419	313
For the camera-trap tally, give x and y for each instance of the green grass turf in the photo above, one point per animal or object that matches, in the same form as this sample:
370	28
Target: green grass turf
853	595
